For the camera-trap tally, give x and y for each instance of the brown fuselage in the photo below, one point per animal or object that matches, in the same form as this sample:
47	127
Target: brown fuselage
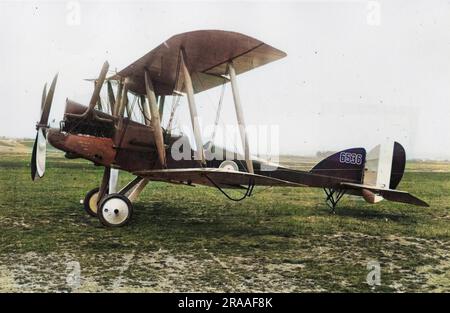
123	144
128	145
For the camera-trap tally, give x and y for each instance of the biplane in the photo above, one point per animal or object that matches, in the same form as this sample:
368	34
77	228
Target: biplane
105	133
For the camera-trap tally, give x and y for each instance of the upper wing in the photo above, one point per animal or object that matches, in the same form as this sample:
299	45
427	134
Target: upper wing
389	194
207	53
211	176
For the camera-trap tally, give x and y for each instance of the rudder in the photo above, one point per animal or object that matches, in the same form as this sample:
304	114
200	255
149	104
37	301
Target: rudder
384	169
398	165
385	165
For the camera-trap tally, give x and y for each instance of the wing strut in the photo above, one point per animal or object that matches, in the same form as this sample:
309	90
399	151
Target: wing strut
156	122
145	111
240	117
95	97
193	109
118	102
111	98
162	98
123	99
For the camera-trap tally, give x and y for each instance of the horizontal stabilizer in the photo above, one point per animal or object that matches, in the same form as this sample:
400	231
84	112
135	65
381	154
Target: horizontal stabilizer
388	194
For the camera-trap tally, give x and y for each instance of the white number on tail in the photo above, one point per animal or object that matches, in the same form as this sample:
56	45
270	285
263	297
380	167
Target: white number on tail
350	158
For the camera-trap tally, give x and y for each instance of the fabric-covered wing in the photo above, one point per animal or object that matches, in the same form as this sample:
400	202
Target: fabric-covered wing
220	177
207	53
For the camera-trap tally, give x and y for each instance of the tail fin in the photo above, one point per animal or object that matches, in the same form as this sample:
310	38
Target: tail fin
384	170
385	165
347	164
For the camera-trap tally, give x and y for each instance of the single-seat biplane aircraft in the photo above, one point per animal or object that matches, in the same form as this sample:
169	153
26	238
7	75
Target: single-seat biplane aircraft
184	65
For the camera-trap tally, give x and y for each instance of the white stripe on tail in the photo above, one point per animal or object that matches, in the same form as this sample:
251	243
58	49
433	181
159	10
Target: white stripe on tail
378	167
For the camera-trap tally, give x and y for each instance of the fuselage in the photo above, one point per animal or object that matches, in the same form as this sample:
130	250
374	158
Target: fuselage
123	144
128	145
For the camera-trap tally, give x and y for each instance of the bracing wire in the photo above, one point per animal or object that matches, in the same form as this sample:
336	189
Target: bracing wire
219	109
175	103
175	99
133	113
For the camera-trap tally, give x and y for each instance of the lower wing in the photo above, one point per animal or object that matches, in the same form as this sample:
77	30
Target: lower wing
214	177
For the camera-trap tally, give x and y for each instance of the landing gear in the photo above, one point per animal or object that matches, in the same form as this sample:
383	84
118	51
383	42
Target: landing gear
333	197
115	210
90	202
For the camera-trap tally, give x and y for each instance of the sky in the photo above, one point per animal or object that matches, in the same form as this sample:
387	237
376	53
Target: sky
357	73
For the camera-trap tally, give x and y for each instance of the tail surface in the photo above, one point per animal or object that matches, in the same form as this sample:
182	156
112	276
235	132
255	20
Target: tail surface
385	165
384	168
373	176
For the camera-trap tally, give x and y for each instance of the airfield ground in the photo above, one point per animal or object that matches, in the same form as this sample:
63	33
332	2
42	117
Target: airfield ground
193	239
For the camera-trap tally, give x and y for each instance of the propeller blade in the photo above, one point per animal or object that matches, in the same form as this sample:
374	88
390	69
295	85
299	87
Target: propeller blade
39	155
48	102
44	95
33	160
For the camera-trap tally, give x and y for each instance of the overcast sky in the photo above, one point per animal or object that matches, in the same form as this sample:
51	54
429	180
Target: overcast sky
357	72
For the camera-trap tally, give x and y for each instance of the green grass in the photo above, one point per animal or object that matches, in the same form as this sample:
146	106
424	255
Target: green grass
193	239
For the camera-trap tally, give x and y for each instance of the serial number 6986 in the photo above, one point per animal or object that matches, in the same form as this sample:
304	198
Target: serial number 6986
246	302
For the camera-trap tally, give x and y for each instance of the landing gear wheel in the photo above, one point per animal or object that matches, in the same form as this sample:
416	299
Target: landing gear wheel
229	165
115	210
90	202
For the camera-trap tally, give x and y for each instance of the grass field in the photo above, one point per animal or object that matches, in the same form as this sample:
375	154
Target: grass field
193	239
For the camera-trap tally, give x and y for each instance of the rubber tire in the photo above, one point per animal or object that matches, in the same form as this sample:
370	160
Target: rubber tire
104	200
86	201
227	163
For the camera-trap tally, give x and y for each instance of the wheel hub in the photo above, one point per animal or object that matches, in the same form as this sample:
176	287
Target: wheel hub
115	211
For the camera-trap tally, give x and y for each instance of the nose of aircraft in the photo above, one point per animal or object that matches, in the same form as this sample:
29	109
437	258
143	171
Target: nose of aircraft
56	138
